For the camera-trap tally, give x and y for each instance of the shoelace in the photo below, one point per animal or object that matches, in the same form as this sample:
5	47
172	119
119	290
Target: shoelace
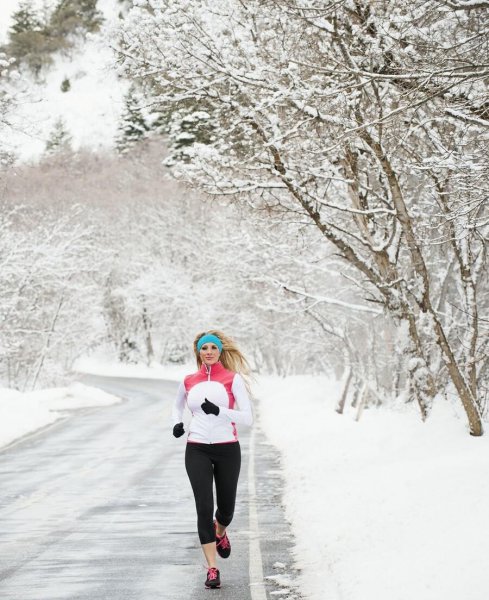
224	542
211	573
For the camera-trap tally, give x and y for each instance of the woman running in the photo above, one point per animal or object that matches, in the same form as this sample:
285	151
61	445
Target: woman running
218	399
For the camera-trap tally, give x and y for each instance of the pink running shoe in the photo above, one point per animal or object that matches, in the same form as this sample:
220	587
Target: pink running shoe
213	580
223	545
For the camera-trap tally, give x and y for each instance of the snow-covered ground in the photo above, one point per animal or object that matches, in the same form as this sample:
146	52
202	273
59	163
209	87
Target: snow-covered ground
387	508
21	414
103	366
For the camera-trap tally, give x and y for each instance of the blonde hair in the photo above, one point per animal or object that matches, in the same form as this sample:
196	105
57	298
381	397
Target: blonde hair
231	356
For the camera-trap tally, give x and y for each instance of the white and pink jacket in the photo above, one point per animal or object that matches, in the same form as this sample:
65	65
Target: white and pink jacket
226	390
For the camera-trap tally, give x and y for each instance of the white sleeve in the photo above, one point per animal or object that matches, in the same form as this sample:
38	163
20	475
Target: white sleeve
244	415
179	405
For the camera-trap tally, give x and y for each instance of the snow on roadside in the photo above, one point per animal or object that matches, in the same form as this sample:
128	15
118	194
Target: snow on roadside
387	508
101	366
21	414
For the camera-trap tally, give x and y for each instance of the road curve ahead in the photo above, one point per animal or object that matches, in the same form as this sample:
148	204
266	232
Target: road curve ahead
98	507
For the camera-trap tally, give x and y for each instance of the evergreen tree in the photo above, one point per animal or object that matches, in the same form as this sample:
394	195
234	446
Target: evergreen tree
133	126
33	39
28	42
183	125
70	16
60	138
190	128
25	19
65	85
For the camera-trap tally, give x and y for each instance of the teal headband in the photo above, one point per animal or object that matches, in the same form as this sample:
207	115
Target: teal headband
208	337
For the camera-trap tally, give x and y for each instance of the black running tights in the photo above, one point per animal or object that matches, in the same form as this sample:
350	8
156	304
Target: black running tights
206	463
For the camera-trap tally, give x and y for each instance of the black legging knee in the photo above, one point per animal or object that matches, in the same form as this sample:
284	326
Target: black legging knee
205	463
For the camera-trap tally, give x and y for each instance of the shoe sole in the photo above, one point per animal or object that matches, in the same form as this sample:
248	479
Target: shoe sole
212	587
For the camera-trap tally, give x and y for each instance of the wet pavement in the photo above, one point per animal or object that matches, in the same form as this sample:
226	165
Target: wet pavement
98	507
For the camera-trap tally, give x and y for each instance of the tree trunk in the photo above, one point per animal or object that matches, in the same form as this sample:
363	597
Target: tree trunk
468	401
363	400
148	340
341	404
48	341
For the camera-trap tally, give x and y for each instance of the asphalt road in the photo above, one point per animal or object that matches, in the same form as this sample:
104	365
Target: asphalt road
98	507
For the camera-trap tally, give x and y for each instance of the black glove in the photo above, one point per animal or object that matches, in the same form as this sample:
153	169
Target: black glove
209	408
178	430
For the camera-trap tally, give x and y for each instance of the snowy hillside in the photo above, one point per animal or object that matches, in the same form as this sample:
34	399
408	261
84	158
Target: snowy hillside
88	111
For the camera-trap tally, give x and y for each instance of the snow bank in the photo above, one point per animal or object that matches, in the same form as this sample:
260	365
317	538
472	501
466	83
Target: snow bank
387	508
102	366
23	413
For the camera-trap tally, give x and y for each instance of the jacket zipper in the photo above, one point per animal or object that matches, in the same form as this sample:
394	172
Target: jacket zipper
208	369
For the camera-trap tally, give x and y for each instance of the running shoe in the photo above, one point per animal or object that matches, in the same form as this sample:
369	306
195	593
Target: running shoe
223	545
213	580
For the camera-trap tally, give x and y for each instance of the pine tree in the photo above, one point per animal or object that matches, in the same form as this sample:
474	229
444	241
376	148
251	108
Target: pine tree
65	85
25	19
75	15
133	126
60	138
29	43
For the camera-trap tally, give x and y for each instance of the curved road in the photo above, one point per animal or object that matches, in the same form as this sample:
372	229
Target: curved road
98	507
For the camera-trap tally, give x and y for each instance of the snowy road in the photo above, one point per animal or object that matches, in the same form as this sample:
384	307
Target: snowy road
98	507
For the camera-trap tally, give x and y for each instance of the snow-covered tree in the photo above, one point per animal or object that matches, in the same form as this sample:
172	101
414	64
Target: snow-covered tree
36	36
367	120
7	104
29	43
75	16
59	139
25	18
133	125
45	261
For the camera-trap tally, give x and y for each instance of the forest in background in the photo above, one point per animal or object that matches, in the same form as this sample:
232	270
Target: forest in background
108	254
367	120
330	207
